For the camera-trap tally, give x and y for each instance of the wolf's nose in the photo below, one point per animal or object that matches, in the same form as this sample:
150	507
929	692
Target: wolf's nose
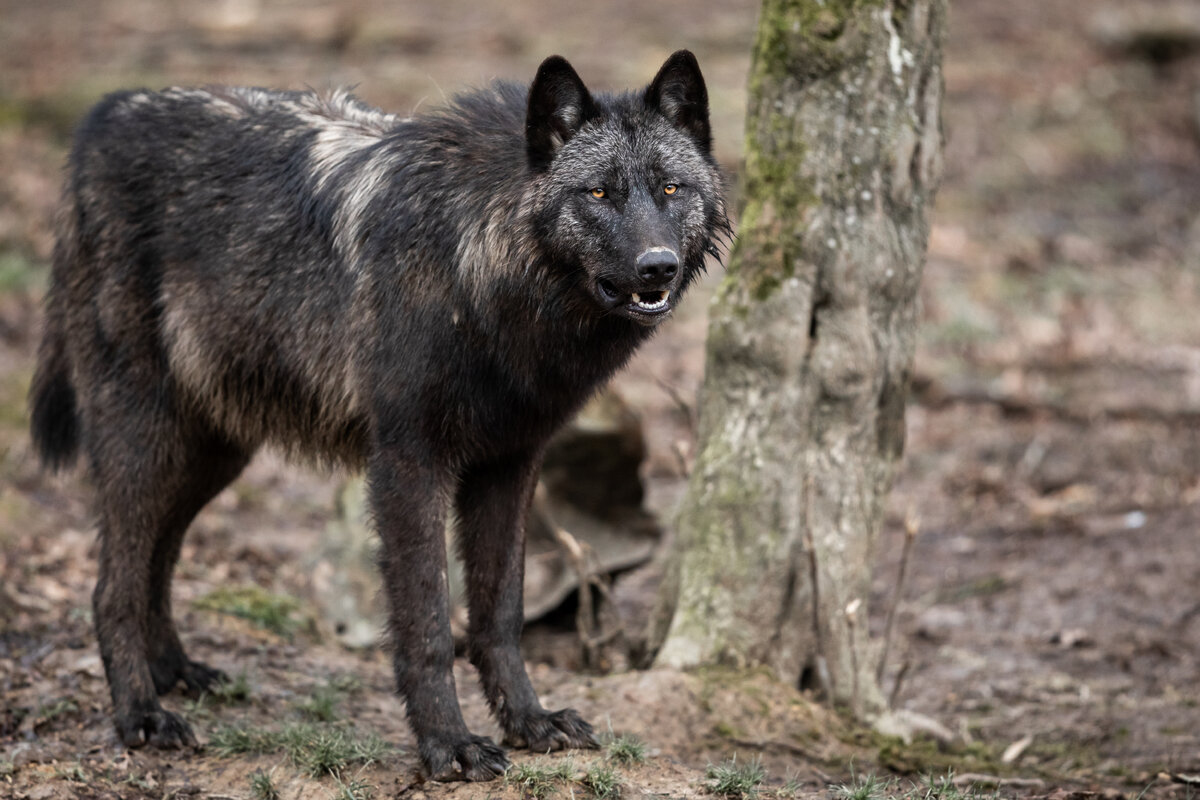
657	264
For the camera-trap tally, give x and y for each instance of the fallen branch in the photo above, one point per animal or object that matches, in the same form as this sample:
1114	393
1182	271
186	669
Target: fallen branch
581	559
978	778
937	395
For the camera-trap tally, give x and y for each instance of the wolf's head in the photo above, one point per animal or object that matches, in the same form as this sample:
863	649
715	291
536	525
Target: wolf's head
629	197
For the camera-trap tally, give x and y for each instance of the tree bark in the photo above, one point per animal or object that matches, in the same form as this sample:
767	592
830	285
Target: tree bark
810	346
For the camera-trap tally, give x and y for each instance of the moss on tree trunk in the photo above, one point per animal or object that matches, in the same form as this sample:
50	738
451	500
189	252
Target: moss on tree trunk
810	345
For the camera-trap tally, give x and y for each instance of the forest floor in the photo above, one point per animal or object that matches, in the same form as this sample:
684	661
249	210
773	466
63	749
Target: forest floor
1050	620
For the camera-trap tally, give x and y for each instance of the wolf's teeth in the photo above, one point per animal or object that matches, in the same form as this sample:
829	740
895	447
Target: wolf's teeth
635	297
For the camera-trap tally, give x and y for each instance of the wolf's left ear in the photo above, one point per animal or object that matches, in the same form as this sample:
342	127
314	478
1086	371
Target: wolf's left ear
559	105
678	92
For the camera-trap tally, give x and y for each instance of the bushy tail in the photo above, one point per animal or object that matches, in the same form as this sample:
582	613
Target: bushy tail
54	422
54	418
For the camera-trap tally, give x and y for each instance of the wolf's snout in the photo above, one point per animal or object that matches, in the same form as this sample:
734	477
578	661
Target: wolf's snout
657	264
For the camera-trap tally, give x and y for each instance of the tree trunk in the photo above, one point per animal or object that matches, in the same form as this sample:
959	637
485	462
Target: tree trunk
810	346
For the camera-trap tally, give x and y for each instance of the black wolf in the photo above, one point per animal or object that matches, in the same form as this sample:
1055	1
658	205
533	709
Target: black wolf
428	297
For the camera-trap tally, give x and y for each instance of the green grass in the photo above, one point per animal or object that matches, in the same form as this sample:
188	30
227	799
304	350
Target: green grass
273	612
315	749
73	773
736	781
542	779
602	781
871	787
236	740
322	703
625	749
790	790
57	709
231	692
262	786
864	787
321	706
353	789
331	750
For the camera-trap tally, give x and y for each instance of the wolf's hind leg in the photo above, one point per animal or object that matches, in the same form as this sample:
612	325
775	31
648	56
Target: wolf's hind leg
212	464
493	500
143	460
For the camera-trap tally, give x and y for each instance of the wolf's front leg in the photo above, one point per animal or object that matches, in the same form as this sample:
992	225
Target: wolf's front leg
408	497
493	501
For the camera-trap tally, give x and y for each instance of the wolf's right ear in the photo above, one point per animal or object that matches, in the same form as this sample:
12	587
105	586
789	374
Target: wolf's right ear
678	92
559	105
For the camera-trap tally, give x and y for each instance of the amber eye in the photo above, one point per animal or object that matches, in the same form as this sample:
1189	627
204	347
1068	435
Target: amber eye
670	188
598	192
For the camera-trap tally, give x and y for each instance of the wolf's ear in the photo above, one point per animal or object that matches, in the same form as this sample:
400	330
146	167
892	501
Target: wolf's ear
678	93
559	105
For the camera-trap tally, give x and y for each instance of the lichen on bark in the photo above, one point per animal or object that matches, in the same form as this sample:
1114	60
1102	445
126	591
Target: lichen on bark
811	339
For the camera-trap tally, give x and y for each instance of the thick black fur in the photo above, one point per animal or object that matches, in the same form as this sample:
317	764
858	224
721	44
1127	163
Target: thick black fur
428	298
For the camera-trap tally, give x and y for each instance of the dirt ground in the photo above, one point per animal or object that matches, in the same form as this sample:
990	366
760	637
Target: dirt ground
1050	619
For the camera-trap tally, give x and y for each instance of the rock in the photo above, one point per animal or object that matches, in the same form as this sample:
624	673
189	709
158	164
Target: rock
938	623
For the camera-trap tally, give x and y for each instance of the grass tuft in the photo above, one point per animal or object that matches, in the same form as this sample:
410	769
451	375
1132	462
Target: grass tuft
602	781
321	705
57	709
262	786
626	749
790	789
540	780
864	787
353	789
232	691
235	740
739	782
323	750
73	773
316	749
272	612
871	787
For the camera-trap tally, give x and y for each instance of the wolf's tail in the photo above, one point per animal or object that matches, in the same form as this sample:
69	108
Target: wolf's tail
54	418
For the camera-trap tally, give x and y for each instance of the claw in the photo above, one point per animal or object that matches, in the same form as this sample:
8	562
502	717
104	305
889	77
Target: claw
475	759
546	731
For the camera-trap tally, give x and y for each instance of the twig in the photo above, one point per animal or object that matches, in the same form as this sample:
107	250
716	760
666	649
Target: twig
776	744
911	527
579	555
681	403
679	450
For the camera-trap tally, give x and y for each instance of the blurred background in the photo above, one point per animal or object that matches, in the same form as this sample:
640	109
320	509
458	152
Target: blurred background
1054	429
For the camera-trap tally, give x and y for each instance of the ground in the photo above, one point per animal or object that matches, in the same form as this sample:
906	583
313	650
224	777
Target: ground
1050	617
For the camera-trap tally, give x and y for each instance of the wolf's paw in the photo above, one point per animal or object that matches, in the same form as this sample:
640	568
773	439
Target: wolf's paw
543	731
157	728
475	758
169	669
200	678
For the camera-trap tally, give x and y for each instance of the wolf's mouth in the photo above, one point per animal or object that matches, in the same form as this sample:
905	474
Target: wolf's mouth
643	303
652	302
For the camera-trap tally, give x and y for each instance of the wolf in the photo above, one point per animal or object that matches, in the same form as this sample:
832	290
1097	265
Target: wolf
427	298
